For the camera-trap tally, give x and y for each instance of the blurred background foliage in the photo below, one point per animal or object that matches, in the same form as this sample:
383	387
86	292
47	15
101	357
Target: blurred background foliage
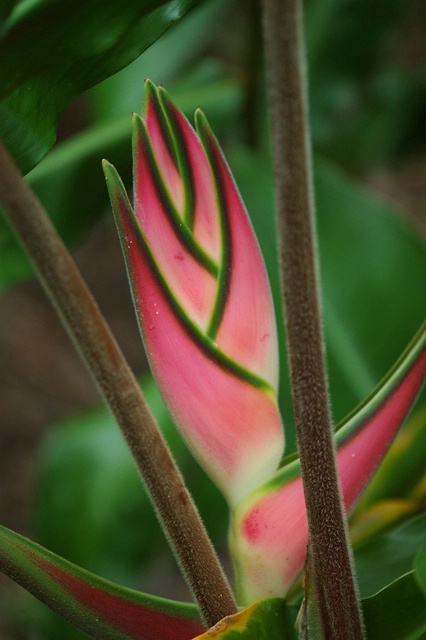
367	80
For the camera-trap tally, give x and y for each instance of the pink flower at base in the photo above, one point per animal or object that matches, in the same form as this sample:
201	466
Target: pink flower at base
202	296
269	532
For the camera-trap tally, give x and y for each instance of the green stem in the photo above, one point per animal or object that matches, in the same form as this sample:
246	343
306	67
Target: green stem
330	555
92	337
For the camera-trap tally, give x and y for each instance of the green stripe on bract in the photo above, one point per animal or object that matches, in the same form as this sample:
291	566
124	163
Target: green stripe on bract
374	401
151	93
204	342
119	196
181	229
225	270
181	152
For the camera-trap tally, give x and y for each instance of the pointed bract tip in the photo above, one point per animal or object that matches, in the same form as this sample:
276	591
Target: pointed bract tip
136	119
115	185
202	125
107	168
149	85
150	93
199	115
164	98
110	171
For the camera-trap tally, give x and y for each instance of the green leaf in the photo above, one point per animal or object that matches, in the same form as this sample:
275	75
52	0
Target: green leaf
49	60
263	620
71	186
420	568
100	608
397	612
69	181
177	53
382	516
372	267
386	558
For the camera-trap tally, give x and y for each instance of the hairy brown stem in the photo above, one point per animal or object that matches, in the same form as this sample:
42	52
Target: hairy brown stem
92	337
330	554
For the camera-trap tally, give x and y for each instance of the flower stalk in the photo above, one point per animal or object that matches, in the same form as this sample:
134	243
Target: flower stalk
332	581
89	332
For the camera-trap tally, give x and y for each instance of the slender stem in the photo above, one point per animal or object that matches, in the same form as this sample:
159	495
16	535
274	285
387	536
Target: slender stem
92	337
330	555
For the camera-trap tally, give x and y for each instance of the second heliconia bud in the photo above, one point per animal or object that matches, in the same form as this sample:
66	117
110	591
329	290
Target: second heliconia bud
202	296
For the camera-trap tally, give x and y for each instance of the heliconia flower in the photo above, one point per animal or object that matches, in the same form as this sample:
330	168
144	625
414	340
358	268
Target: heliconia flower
201	295
102	609
269	532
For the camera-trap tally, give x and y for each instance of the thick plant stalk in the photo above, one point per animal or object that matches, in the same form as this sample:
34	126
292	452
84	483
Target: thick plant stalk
331	581
89	332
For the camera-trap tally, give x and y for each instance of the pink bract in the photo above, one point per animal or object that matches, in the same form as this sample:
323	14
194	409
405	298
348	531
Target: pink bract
270	531
202	297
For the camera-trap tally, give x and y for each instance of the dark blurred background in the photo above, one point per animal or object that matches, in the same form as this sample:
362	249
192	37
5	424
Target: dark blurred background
367	63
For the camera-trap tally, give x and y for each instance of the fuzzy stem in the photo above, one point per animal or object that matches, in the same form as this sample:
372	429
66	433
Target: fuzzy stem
330	554
93	339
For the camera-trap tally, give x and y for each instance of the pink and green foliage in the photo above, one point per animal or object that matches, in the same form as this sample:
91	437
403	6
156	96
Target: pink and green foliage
269	533
106	611
202	296
98	607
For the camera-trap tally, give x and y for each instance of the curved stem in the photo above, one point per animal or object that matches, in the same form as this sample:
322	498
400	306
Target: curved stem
329	565
92	337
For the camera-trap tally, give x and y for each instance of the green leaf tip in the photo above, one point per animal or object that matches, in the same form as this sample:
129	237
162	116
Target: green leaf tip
201	123
268	619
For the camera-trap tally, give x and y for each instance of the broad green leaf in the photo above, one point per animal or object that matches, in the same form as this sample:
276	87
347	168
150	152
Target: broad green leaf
397	612
383	516
71	187
264	620
51	52
389	556
100	608
420	569
168	61
69	181
372	268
